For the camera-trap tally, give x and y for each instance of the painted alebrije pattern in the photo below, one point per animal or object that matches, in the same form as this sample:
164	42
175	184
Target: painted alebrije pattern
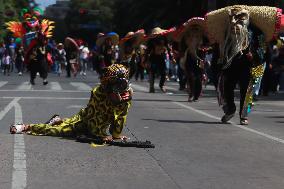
19	29
256	75
99	115
114	71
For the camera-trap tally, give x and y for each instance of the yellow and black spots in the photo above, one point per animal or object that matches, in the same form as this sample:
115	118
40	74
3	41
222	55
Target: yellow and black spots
99	115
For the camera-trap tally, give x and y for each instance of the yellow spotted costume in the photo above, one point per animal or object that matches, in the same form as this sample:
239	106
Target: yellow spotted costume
99	115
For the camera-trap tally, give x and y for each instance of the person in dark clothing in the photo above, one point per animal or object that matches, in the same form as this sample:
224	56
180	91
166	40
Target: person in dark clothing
140	59
128	55
157	66
242	55
20	54
155	57
36	59
191	40
194	73
38	63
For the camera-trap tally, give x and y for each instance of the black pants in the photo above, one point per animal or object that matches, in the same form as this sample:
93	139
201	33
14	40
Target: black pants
195	84
38	66
139	72
182	77
7	68
19	65
238	72
157	69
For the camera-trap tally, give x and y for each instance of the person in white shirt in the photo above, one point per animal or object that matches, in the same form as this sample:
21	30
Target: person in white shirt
6	63
84	56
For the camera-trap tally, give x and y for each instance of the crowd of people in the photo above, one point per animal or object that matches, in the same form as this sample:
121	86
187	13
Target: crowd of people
169	66
233	46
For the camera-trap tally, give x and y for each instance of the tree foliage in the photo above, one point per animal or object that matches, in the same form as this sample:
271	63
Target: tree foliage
123	16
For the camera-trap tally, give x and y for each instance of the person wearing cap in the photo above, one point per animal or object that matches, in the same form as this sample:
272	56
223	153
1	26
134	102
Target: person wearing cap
190	35
155	57
60	58
241	33
128	46
107	110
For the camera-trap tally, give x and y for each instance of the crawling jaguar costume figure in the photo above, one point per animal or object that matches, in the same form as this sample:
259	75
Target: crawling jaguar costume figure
107	109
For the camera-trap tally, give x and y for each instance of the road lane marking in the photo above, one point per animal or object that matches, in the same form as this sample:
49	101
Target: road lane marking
81	86
19	177
55	86
74	106
34	90
46	98
139	87
2	83
232	123
25	86
8	107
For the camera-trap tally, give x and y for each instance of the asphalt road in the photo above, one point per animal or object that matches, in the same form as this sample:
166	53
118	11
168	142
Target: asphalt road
193	149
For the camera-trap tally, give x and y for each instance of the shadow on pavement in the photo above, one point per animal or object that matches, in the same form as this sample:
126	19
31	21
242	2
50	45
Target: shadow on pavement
184	121
152	100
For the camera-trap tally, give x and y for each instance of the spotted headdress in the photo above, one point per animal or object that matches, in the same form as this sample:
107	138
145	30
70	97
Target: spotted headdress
115	78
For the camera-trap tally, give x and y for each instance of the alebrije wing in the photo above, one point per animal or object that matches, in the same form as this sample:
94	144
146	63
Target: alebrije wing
46	27
16	28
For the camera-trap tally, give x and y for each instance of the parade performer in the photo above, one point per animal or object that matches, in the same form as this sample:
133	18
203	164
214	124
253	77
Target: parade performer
241	33
128	46
107	108
190	35
157	44
106	44
34	33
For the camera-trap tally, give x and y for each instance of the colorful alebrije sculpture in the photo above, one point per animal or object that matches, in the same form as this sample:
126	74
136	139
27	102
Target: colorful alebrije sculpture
31	26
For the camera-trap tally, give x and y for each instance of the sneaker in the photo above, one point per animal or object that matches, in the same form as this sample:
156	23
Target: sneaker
227	117
163	89
244	121
84	74
45	82
151	90
54	120
195	100
190	99
32	82
20	73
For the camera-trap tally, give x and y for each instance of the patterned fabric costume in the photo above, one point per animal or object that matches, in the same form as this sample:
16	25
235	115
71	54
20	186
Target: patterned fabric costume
107	108
95	119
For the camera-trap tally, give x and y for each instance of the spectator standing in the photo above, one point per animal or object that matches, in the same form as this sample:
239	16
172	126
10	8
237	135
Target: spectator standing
84	57
6	63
